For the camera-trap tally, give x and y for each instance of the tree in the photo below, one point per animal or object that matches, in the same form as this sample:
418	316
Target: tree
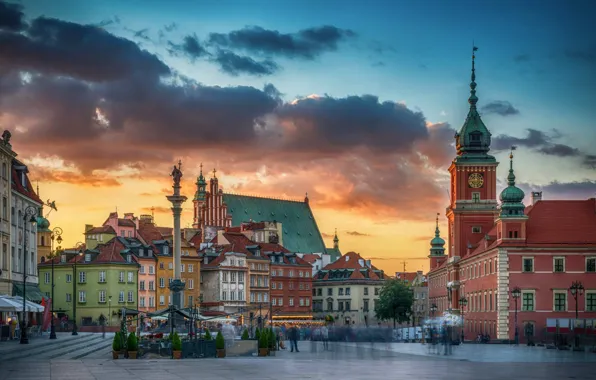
395	302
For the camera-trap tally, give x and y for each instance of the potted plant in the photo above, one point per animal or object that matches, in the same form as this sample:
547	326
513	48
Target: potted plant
263	345
176	346
116	346
272	342
208	335
132	345
244	335
220	345
258	334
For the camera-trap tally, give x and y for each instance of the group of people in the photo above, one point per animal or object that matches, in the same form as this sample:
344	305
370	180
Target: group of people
293	335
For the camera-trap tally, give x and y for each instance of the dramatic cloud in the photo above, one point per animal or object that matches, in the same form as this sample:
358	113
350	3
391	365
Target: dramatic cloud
356	233
158	210
500	107
306	44
190	47
562	190
326	235
235	64
11	17
57	47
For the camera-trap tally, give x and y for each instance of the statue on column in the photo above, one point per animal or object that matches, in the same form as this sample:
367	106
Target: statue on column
177	174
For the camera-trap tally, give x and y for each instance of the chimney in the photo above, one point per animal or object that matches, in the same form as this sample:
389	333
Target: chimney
536	196
88	227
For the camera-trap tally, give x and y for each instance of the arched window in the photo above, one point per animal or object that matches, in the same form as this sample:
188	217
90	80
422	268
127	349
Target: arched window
4	170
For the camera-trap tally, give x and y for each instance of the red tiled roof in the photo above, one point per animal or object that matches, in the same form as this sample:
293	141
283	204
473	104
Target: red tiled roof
351	261
149	232
240	242
562	222
408	276
101	230
233	229
249	226
197	239
126	223
310	258
26	190
165	231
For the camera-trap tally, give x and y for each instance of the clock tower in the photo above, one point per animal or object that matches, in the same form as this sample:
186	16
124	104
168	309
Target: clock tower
473	196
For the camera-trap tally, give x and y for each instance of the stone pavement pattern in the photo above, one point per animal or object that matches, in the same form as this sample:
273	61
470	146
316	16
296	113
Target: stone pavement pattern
343	361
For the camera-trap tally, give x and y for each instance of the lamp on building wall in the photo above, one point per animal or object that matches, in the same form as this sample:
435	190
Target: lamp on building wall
516	293
576	289
28	217
463	302
56	235
79	249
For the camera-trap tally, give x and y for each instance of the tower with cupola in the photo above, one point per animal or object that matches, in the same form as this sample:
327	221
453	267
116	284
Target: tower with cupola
473	196
511	223
437	248
199	201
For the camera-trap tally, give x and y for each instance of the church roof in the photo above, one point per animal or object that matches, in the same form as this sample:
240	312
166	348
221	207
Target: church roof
300	231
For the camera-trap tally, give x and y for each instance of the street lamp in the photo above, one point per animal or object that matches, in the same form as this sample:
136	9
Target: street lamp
516	292
576	289
109	310
78	247
56	234
463	302
28	216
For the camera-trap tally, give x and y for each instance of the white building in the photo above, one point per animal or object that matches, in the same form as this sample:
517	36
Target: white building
348	290
223	281
25	204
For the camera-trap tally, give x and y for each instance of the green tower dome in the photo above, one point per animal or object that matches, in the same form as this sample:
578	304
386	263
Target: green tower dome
437	244
512	196
42	224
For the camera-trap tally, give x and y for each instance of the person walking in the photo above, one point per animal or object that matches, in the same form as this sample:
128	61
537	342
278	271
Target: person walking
325	337
293	335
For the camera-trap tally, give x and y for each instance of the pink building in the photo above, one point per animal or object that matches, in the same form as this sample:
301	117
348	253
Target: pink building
124	227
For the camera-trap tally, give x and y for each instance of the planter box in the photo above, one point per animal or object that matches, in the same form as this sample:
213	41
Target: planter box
242	348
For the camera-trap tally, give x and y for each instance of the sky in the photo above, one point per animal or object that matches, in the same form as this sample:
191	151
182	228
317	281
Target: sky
353	102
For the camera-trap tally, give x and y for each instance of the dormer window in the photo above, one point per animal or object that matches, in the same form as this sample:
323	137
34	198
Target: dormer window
24	179
63	259
128	259
258	252
87	257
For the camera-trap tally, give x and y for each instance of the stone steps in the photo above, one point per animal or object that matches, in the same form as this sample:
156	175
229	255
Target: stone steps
52	346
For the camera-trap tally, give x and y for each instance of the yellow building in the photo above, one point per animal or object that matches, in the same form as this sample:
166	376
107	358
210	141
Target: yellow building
164	274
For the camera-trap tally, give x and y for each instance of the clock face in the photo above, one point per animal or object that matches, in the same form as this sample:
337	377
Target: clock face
475	180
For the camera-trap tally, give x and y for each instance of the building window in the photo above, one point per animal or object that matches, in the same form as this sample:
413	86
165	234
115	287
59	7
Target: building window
151	269
559	264
142	269
68	297
476	197
82	277
142	301
142	285
240	277
591	301
329	305
291	301
102	296
121	277
528	264
376	291
69	278
476	229
190	268
162	282
191	284
347	291
151	285
161	266
131	276
121	296
130	296
82	296
330	291
527	301
591	264
162	300
340	292
47	277
560	301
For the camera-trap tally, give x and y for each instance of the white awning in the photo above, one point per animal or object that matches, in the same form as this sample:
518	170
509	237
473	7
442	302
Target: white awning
15	304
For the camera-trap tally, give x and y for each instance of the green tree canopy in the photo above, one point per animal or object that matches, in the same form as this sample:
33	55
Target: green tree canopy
395	302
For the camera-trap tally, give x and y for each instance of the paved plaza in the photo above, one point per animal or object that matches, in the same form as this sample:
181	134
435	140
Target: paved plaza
57	361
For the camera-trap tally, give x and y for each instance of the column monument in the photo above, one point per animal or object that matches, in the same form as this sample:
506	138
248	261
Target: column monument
177	286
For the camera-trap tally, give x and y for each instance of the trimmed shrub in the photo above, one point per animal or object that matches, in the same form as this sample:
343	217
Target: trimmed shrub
220	343
245	334
116	346
132	343
176	342
208	335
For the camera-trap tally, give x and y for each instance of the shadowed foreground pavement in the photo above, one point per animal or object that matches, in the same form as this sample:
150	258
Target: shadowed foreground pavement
343	361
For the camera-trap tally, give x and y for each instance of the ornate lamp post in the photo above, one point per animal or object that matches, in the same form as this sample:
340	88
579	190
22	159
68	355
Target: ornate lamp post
109	310
433	310
28	216
516	292
463	302
74	287
56	235
576	289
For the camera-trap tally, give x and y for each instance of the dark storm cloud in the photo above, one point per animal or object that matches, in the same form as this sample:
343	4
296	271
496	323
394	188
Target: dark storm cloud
562	190
190	47
560	150
306	44
12	17
589	161
353	121
533	139
56	47
235	64
500	107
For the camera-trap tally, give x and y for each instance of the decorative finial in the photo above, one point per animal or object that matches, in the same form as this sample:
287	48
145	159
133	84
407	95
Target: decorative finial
214	171
473	98
38	188
179	164
511	176
437	232
201	166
